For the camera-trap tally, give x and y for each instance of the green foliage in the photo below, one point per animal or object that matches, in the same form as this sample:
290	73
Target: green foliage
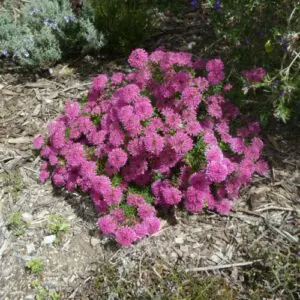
45	32
35	265
42	293
116	180
16	224
196	157
129	210
144	191
262	33
125	24
57	225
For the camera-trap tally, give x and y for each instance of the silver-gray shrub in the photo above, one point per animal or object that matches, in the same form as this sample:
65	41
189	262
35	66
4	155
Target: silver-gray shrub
46	31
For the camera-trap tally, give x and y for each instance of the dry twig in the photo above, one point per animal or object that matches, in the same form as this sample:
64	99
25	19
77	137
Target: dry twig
212	268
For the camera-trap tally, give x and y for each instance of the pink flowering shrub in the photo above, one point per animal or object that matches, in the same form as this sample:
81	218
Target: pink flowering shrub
163	135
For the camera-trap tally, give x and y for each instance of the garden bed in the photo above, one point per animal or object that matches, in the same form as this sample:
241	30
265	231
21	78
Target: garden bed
263	225
251	253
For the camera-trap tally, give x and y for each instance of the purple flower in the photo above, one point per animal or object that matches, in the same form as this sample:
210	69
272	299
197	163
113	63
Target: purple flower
217	5
195	3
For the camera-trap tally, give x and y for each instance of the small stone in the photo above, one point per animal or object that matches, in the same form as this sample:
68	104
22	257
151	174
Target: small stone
30	297
94	241
49	239
179	240
27	217
30	248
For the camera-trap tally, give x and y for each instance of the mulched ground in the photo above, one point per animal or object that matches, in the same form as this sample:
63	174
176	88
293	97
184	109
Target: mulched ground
264	223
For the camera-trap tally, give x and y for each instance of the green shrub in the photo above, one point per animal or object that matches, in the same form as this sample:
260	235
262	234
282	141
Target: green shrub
262	33
125	24
45	32
128	24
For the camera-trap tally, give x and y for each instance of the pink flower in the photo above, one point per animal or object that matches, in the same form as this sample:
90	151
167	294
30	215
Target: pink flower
125	236
117	78
138	58
44	175
227	87
117	158
44	166
118	215
58	179
172	119
237	145
135	200
157	56
72	110
181	143
224	206
135	146
199	182
261	167
153	225
101	184
215	77
139	129
141	230
254	75
145	211
214	65
201	83
38	142
75	154
194	200
99	83
171	195
191	97
216	171
112	196
144	109
107	225
214	153
53	160
199	64
154	143
193	128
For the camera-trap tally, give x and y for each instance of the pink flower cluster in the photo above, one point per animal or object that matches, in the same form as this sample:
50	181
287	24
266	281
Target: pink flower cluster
254	75
161	129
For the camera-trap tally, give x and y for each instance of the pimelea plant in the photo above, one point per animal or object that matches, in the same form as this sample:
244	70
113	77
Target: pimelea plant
163	135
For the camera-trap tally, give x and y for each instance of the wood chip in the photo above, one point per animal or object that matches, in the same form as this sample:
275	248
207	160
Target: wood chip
20	140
